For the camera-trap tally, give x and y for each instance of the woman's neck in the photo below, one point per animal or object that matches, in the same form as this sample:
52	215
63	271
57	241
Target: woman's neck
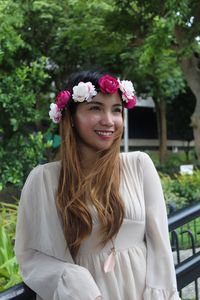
88	160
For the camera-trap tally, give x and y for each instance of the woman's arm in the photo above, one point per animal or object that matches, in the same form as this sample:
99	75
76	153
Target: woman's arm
45	261
160	277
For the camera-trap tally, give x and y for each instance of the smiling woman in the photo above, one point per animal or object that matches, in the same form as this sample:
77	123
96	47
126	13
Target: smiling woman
93	225
97	123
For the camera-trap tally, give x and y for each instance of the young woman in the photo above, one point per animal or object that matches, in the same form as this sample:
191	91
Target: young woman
93	225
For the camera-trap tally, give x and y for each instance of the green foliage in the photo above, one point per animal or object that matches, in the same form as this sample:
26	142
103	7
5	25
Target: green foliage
171	196
188	186
158	62
173	161
182	190
25	152
21	106
11	19
9	269
20	96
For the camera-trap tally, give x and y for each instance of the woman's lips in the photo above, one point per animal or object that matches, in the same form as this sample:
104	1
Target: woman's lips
104	133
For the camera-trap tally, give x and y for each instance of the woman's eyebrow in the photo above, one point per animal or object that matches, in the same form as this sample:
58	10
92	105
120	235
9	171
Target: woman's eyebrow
99	103
95	102
118	104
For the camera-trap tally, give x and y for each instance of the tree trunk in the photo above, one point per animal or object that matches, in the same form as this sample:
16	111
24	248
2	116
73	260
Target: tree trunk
190	68
196	131
162	130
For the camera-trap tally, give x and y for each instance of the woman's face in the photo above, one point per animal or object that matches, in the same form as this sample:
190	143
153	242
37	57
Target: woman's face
97	121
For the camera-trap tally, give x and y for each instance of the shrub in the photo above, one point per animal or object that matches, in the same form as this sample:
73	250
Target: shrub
9	269
182	190
23	110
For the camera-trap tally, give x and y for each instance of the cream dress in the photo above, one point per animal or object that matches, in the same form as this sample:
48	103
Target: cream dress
144	266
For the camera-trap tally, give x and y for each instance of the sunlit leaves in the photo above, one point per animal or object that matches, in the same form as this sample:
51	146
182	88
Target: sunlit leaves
9	269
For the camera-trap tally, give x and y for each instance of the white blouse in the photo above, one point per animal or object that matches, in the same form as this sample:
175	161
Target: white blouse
144	268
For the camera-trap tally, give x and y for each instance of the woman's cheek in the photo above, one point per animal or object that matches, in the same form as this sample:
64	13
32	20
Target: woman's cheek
119	121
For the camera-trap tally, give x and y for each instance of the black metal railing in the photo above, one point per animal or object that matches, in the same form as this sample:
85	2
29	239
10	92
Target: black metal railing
184	223
187	270
18	292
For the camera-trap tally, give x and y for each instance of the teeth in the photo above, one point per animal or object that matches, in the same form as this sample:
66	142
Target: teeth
104	133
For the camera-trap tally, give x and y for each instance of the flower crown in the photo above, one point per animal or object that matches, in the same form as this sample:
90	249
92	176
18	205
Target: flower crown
85	91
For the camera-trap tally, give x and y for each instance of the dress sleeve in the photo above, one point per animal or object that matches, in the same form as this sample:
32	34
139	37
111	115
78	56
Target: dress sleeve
160	277
45	262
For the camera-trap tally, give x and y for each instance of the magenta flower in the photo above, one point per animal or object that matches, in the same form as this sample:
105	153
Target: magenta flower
131	103
62	99
108	84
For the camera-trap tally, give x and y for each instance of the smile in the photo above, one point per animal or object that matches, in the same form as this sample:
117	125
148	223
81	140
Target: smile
104	133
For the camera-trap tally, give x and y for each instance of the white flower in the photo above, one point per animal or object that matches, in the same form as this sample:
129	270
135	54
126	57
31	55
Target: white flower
92	91
55	113
127	90
83	91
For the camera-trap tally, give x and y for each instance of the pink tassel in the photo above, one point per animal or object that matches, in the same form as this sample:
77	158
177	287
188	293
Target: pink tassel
110	262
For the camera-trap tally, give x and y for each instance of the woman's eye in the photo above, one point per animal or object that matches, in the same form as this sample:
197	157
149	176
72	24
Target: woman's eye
94	108
118	110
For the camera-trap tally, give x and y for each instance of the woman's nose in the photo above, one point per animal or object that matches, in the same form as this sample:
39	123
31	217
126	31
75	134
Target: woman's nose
107	119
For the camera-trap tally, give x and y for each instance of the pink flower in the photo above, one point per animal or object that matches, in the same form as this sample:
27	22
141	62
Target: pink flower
131	103
62	99
108	84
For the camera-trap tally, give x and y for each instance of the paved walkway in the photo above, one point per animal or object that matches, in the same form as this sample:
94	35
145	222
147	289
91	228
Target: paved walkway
189	291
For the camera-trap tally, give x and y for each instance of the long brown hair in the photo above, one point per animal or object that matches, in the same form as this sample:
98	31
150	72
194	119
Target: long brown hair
99	188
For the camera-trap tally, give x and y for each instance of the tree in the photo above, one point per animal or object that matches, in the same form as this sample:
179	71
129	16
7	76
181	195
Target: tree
187	33
151	66
179	24
160	77
40	45
20	94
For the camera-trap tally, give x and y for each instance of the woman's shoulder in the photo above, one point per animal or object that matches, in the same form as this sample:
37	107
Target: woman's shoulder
41	181
134	157
51	167
134	163
48	168
48	172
